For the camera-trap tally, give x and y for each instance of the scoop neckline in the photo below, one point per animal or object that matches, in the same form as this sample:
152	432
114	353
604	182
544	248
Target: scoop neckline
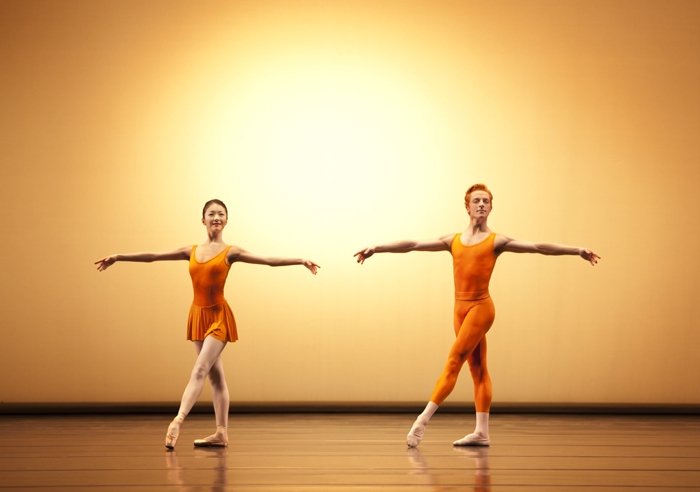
475	244
194	255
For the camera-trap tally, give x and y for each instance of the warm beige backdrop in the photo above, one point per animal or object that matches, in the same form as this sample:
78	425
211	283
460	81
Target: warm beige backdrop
326	127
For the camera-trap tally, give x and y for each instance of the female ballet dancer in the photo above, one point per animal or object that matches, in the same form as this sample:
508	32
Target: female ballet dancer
474	253
211	323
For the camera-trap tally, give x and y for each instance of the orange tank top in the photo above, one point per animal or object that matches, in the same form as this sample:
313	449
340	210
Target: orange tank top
208	279
473	266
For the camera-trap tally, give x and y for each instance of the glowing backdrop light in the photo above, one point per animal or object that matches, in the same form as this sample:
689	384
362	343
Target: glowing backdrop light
327	127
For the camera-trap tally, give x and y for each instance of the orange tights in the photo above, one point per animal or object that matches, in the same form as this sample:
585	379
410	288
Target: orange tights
472	320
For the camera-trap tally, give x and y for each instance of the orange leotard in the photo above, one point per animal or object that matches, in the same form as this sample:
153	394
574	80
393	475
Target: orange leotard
210	314
474	313
473	266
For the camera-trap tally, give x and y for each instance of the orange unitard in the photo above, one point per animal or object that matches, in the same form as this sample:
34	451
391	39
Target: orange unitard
210	314
473	316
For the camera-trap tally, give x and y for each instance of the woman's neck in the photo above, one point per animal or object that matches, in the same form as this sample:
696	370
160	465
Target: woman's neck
215	238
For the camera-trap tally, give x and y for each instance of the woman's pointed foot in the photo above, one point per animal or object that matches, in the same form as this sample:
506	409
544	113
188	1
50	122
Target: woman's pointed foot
173	432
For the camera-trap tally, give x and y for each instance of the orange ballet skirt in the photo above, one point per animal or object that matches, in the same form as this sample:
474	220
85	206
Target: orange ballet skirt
210	314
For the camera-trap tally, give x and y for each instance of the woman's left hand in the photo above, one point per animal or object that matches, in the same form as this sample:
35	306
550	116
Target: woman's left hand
105	263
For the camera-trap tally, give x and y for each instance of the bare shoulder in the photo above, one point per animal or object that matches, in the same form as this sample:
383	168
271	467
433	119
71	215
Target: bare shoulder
447	240
183	253
500	241
234	252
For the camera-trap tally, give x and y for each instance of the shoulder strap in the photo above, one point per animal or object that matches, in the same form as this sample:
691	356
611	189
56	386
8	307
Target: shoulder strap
457	237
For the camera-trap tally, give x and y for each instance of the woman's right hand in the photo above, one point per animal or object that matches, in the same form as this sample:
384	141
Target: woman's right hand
363	254
313	267
105	262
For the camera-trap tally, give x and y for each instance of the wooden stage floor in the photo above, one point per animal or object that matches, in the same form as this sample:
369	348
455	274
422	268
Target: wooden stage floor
351	452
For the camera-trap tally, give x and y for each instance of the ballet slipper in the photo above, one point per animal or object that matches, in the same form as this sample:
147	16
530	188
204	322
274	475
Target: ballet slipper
472	440
170	439
218	439
415	436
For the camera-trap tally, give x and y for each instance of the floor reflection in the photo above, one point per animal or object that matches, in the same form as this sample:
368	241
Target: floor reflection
174	470
480	454
184	476
431	476
294	453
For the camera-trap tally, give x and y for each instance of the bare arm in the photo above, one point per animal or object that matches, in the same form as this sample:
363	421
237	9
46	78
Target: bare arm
406	245
177	254
236	253
504	243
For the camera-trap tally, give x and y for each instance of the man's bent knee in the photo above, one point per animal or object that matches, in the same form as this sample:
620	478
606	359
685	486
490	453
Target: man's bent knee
454	364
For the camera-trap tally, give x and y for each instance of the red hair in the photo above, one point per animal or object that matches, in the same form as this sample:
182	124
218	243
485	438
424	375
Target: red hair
476	187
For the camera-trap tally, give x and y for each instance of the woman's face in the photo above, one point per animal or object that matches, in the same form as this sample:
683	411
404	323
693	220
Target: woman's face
479	206
215	218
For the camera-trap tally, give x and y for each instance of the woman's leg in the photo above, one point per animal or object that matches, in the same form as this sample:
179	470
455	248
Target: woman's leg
219	393
219	389
210	350
220	396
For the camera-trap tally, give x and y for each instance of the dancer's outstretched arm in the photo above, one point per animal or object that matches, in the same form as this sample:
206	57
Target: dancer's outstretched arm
504	243
406	245
177	254
236	253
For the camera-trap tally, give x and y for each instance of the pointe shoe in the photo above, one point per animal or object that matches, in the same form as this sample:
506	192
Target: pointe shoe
415	436
218	439
472	440
170	439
